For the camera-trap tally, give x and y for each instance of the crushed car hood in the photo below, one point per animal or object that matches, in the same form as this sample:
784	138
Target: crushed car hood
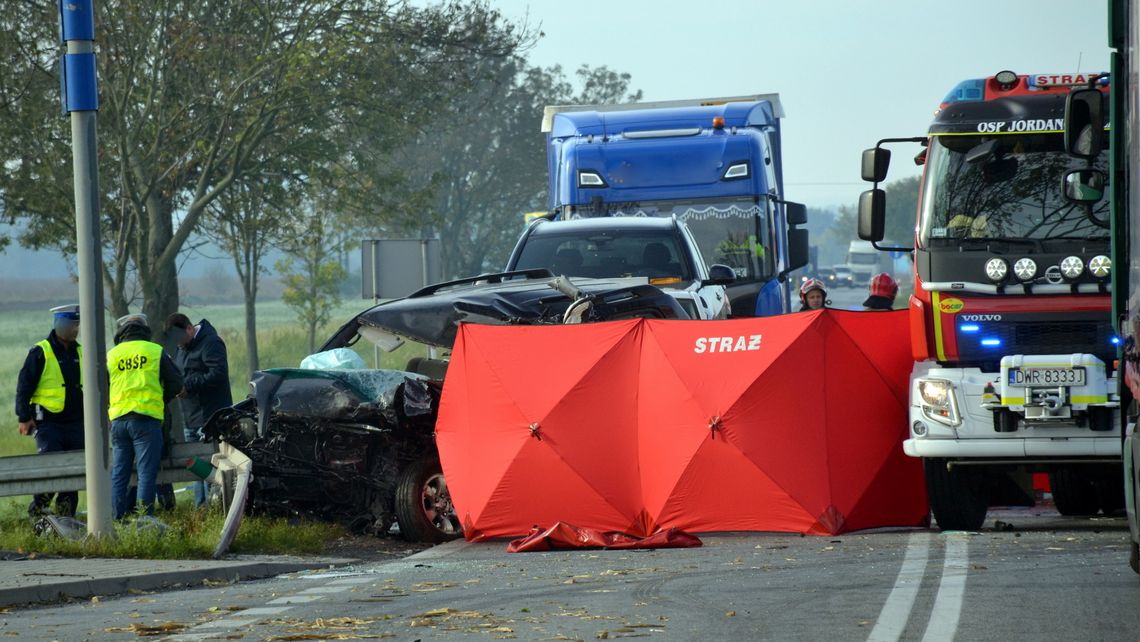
432	315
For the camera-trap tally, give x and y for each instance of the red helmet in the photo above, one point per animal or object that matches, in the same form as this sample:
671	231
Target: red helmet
884	285
808	286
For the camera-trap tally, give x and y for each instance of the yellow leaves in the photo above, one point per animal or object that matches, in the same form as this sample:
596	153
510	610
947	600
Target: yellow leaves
428	587
149	630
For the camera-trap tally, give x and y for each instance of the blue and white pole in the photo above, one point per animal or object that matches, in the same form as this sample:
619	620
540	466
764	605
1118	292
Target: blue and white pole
80	99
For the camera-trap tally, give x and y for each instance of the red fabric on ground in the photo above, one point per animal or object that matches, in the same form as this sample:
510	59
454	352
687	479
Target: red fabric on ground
567	536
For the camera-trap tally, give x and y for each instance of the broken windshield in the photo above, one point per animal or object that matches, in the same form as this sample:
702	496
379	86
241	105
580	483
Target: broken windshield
1003	187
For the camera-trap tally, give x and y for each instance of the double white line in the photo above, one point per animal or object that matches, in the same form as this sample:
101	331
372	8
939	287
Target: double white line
943	622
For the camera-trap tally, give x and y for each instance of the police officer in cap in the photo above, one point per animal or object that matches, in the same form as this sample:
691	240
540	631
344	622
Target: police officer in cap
49	399
143	379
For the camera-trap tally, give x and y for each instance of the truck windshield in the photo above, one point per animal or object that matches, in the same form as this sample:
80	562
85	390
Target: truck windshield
733	232
1002	187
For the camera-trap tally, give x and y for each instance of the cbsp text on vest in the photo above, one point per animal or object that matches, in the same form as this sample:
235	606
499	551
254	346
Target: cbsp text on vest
135	382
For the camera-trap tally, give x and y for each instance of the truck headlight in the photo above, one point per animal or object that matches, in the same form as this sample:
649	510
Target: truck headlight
1025	269
936	397
1072	267
997	269
1100	266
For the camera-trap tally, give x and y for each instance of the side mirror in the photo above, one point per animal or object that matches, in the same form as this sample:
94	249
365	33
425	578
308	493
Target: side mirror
875	163
1084	185
797	250
796	213
872	215
982	152
720	275
1084	123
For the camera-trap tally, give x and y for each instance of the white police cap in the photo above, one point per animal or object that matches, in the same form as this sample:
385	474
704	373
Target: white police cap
70	311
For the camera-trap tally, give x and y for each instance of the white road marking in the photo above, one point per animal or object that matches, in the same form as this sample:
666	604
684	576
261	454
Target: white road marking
944	616
324	589
296	599
353	580
896	610
264	610
228	623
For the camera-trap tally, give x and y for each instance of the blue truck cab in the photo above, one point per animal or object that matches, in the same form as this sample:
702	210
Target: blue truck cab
713	163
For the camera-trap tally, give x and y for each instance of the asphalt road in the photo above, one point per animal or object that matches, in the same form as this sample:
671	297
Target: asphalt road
1038	576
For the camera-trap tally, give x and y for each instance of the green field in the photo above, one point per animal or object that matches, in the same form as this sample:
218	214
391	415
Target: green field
281	341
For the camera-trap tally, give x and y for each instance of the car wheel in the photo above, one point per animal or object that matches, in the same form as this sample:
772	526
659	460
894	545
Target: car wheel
1110	493
1073	493
957	497
423	504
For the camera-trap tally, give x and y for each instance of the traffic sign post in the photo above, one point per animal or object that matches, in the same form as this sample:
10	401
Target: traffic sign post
80	99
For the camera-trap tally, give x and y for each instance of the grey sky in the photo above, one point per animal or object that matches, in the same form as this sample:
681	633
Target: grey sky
848	73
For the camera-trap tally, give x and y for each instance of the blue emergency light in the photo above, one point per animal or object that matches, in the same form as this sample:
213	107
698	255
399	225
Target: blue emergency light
991	343
969	327
967	91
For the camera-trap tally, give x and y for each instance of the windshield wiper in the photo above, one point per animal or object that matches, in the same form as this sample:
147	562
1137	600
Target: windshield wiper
1091	239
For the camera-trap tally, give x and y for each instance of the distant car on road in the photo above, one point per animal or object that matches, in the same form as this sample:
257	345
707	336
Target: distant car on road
660	249
844	278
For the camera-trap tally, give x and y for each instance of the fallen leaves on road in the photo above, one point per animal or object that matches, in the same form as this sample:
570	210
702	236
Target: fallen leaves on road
149	630
730	614
220	609
627	631
427	587
328	636
449	619
342	628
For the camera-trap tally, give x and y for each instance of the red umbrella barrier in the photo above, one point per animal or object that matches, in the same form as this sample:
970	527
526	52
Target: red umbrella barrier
788	424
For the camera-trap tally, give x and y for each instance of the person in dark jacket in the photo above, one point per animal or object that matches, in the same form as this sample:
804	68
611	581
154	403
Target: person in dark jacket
204	363
142	381
49	399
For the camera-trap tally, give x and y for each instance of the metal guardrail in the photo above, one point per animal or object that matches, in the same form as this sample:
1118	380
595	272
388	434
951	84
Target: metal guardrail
63	471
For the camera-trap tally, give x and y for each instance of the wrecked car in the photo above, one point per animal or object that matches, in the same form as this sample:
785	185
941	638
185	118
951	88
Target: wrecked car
357	446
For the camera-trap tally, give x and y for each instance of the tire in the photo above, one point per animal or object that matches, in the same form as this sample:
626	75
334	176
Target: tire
423	504
957	498
1074	494
1110	493
1100	419
1134	557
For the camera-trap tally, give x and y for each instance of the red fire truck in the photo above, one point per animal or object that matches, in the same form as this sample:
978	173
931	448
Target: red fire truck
1010	316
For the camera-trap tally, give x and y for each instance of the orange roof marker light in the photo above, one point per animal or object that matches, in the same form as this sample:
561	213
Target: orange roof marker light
718	122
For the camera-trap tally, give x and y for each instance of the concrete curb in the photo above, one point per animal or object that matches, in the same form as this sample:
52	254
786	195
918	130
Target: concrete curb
37	583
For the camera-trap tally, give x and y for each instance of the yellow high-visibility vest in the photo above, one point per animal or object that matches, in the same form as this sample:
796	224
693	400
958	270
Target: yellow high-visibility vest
50	392
135	382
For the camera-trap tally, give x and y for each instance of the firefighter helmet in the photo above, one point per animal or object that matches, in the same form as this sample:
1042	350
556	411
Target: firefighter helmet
808	286
884	285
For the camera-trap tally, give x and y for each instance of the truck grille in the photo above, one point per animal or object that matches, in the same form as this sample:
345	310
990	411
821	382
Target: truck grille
1015	336
1057	334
